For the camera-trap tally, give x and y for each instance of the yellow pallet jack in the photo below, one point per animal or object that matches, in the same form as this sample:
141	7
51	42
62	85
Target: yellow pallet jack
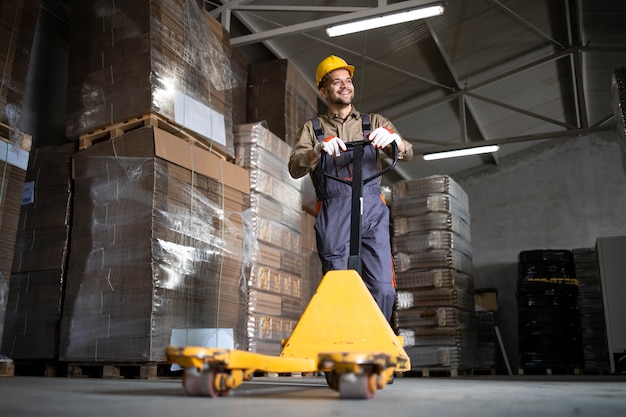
342	331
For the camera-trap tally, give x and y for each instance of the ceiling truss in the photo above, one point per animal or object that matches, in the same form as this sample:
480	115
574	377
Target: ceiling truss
573	53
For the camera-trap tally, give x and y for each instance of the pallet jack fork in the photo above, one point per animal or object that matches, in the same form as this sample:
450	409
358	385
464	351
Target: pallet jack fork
342	331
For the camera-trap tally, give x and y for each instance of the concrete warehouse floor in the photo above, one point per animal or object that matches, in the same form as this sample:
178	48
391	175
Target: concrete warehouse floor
484	396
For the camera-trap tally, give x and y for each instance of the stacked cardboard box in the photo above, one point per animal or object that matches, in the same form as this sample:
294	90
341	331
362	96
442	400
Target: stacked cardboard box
433	260
131	58
17	28
293	100
276	296
18	19
158	243
13	164
40	256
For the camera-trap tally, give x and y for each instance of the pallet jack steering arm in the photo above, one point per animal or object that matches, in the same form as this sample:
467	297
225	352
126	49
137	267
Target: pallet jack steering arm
357	182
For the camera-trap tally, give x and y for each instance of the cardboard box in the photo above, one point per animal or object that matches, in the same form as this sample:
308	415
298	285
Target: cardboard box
152	141
293	100
486	298
159	243
40	255
12	175
18	20
169	57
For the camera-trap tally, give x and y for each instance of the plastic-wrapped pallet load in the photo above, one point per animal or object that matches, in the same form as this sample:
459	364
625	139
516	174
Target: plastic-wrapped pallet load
18	20
276	291
548	317
159	242
170	58
38	275
17	29
433	260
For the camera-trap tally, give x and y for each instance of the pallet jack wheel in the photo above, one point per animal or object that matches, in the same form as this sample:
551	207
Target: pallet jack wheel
357	386
202	383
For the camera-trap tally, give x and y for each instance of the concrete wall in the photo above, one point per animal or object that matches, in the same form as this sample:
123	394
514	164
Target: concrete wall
562	194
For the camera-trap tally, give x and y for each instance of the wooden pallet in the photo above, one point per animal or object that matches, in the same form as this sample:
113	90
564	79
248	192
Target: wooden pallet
286	374
126	370
115	130
483	371
40	367
438	372
21	139
549	371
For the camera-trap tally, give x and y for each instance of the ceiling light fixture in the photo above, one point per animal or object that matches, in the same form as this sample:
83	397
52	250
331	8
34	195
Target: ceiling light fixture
386	20
461	152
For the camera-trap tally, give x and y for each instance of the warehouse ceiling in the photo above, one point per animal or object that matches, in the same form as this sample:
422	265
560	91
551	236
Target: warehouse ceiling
511	72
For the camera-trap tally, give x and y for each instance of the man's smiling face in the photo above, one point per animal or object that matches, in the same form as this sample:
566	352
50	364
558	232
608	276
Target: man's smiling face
339	89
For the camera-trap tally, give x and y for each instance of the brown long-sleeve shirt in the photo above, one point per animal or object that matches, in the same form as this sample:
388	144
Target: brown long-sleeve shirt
349	130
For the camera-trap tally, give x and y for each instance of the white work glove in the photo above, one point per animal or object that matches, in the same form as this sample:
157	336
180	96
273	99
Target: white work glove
382	137
331	145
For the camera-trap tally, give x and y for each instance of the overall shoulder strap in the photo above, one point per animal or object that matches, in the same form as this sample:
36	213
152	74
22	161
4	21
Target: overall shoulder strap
317	128
367	126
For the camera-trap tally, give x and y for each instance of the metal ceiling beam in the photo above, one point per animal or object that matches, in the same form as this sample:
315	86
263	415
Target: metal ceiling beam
323	9
316	24
529	25
464	104
247	20
574	33
455	95
522	111
457	83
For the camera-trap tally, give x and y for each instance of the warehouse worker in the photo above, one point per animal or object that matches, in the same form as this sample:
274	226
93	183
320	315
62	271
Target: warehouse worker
328	133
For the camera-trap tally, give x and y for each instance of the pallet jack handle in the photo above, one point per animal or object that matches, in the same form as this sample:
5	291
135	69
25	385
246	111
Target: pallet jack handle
357	182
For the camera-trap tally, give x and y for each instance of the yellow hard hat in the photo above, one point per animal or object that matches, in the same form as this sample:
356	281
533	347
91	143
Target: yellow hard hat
329	64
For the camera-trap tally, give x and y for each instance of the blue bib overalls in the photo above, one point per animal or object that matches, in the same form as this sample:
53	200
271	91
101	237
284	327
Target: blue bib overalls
332	226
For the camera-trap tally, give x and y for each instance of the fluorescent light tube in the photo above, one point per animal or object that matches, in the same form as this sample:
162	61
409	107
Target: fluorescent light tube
461	152
381	21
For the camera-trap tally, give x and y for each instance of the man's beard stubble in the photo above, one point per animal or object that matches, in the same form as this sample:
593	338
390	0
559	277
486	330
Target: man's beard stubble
338	100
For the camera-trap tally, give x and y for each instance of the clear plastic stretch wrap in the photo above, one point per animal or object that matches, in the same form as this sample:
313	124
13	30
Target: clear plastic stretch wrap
155	246
135	57
18	20
40	256
12	191
276	293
